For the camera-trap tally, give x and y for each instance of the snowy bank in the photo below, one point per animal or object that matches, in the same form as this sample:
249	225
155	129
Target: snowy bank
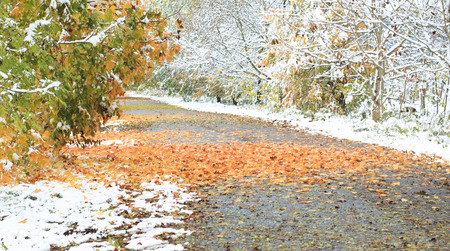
52	214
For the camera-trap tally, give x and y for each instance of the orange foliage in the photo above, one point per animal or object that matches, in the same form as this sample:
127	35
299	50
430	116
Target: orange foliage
138	160
142	156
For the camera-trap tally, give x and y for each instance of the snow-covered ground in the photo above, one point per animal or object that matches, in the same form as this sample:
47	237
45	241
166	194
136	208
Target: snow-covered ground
332	125
35	217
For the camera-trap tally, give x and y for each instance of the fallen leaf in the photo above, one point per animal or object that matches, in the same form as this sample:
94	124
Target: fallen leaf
99	213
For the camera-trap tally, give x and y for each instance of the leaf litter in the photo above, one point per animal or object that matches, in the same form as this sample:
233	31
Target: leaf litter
147	149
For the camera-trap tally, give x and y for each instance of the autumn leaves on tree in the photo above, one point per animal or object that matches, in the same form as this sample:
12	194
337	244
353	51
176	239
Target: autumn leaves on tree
63	62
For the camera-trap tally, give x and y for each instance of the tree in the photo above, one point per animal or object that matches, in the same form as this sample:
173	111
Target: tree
427	37
377	58
372	47
222	47
62	63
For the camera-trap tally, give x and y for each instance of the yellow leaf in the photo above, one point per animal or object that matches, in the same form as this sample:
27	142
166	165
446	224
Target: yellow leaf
110	65
99	213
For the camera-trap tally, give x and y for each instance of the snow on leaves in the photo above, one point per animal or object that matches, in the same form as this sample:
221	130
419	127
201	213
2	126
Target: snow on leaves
63	63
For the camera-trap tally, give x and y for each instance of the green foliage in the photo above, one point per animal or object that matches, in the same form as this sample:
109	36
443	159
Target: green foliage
63	64
163	79
113	242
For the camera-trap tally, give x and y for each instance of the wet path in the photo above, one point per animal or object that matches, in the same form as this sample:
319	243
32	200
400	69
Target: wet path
382	208
222	128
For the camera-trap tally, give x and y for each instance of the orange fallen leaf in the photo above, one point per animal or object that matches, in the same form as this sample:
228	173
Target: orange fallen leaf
99	213
147	158
23	221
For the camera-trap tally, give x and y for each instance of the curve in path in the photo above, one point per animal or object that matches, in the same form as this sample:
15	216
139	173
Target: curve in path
385	206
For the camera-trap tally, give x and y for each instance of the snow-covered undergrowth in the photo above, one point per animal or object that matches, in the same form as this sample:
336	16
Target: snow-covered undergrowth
52	214
396	133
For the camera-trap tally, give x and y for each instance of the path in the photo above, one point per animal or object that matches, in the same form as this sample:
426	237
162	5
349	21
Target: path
385	207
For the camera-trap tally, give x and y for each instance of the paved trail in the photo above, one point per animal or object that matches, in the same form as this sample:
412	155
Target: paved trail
385	208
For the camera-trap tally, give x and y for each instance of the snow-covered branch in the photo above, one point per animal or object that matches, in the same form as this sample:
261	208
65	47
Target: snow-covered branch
97	37
44	90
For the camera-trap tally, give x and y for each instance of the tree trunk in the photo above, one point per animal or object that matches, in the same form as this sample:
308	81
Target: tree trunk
422	100
377	98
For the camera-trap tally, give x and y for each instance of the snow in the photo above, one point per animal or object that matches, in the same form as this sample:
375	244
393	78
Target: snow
112	142
7	165
63	126
31	30
114	123
16	157
45	90
97	39
342	127
3	75
36	216
94	39
54	5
